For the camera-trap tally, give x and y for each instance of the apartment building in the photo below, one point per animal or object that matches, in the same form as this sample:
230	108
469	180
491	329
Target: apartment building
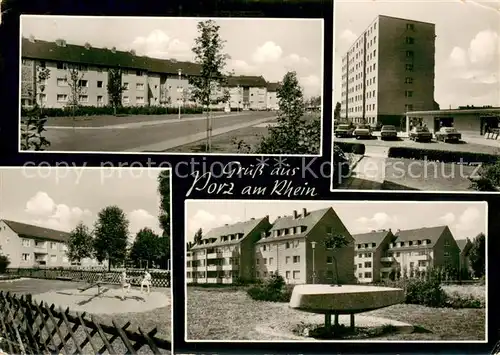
29	246
272	98
371	255
388	71
225	254
294	249
147	81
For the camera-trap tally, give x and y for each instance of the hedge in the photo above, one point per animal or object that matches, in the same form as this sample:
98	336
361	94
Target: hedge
356	148
442	155
109	110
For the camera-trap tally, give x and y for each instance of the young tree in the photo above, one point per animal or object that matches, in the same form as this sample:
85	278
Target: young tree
76	89
115	88
207	87
293	134
80	243
197	236
477	255
145	247
336	112
111	235
332	243
165	216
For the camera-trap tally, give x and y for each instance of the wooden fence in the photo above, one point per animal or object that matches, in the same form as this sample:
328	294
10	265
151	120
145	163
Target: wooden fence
158	279
30	328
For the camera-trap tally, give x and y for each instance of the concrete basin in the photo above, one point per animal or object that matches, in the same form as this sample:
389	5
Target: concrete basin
345	299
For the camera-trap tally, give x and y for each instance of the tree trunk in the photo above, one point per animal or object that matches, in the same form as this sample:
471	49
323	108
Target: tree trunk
207	148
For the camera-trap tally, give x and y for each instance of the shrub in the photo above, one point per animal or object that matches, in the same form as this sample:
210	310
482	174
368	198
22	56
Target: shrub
272	289
355	148
425	292
4	263
442	155
456	300
488	178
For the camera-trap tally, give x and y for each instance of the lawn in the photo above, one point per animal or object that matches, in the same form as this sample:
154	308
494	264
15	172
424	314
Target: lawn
229	314
159	318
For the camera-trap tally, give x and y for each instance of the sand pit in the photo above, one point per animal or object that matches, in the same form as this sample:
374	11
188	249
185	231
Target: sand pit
108	301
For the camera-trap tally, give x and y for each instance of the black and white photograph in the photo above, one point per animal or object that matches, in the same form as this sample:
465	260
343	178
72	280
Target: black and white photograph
416	96
85	262
171	85
336	271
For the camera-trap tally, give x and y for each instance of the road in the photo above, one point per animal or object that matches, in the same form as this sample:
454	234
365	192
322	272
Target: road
136	135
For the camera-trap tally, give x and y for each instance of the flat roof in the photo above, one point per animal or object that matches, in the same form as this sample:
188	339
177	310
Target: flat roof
477	110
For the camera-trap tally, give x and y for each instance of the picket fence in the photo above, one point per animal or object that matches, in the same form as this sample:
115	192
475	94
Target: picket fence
30	328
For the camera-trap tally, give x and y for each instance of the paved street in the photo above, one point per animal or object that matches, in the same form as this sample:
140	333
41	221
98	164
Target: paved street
144	135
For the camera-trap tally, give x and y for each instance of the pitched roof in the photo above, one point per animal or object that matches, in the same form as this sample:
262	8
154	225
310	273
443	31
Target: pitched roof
272	86
371	237
430	233
286	222
462	243
35	232
236	228
245	80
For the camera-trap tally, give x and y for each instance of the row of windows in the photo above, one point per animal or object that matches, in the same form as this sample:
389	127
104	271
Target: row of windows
296	259
288	274
53	258
368	265
367	275
42	244
288	245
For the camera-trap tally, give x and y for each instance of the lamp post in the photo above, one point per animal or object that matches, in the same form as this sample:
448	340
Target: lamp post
179	100
313	245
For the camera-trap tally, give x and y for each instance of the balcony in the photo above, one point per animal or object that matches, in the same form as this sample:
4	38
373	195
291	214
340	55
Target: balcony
387	259
214	267
230	267
386	269
214	280
422	257
212	256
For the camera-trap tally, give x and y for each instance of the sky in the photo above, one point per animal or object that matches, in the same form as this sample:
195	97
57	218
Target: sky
60	198
464	219
467	44
257	46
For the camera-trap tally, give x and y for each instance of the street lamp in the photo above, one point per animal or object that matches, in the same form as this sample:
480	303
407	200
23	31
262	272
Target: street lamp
313	245
180	92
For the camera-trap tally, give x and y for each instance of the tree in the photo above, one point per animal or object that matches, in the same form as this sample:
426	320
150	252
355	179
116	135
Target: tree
115	88
80	243
292	134
76	89
336	112
4	263
488	178
477	255
111	235
209	54
332	243
146	246
163	256
198	236
165	216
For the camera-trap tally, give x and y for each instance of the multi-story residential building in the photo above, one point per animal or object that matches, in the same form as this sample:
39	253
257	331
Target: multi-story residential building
371	259
147	81
388	71
294	249
465	246
29	246
272	98
225	254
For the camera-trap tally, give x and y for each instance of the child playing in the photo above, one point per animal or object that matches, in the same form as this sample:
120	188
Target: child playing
146	281
125	283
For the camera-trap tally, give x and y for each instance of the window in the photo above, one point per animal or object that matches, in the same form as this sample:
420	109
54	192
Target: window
410	26
265	261
409	54
446	254
368	275
53	245
368	255
139	99
296	259
125	86
360	275
83	83
287	245
62	98
26	242
287	260
264	247
410	40
408	93
408	80
62	82
25	257
265	273
408	107
126	99
296	274
398	254
270	261
422	263
139	86
53	258
99	84
61	65
368	264
329	259
257	261
287	274
83	98
412	265
446	243
409	67
99	99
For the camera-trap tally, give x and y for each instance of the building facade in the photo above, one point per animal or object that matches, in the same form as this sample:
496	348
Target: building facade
291	246
29	246
388	71
147	81
371	259
465	246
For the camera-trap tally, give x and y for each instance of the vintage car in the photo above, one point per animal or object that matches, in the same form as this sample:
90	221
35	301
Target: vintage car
388	132
448	134
420	134
362	131
343	131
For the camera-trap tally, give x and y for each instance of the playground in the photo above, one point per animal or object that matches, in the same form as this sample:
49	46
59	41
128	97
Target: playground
105	302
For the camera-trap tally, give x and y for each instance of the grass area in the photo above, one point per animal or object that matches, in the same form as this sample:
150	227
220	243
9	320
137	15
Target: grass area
223	143
475	291
159	318
213	313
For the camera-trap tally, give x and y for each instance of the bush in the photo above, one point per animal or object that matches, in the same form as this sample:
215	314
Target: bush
272	289
122	110
456	300
442	155
488	178
355	148
425	292
4	263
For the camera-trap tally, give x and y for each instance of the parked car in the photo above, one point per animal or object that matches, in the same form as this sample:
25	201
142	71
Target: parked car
448	134
344	130
388	132
420	134
363	131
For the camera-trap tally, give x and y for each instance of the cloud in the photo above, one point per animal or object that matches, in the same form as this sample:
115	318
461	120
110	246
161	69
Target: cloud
311	85
296	59
458	57
484	48
378	221
47	213
469	219
139	219
241	67
160	45
206	221
269	52
348	36
448	218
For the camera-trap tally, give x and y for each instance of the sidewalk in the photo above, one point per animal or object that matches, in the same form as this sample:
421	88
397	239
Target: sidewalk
172	143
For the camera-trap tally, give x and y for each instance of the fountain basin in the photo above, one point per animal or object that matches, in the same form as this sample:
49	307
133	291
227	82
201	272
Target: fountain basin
345	299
